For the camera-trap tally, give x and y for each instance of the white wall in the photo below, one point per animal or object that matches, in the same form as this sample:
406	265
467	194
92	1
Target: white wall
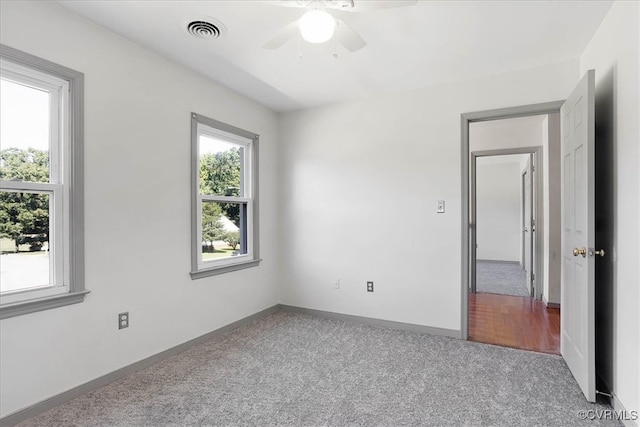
360	183
137	207
498	208
517	132
614	53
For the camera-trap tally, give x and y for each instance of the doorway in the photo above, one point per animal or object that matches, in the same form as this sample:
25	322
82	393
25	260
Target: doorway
505	306
530	251
504	196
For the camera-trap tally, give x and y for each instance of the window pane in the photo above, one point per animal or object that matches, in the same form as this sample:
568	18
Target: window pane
220	167
24	240
223	230
24	133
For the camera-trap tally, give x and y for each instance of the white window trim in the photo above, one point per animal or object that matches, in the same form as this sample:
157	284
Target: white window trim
201	125
67	88
58	90
204	265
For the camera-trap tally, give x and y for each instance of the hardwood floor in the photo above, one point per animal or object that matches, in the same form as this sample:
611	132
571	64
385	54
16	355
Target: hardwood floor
510	321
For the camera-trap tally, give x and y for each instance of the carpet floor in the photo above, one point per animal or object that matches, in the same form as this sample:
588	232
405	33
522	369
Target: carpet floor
505	278
289	369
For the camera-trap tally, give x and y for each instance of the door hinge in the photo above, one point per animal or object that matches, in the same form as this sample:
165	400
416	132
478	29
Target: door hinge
533	224
533	168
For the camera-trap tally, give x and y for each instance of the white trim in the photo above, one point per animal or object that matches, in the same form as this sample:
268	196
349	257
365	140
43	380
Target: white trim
59	177
627	415
58	245
232	259
22	74
33	293
247	200
65	186
29	187
212	132
58	90
247	154
224	199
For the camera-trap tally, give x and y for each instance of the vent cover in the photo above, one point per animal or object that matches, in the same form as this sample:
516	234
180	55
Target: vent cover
205	29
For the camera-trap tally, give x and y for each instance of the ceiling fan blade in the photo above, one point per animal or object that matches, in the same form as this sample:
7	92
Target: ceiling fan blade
348	37
366	5
281	37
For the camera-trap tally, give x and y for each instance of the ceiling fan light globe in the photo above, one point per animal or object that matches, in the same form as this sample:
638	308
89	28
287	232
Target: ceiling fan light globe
317	26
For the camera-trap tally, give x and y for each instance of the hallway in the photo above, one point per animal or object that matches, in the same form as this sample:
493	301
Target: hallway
501	277
511	321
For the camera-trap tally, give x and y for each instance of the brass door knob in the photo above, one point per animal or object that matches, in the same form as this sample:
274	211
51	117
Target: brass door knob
600	252
582	251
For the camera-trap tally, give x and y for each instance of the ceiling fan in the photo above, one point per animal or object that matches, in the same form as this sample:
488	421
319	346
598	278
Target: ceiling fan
317	25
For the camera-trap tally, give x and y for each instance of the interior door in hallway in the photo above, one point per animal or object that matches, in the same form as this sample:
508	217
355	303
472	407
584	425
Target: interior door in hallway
577	321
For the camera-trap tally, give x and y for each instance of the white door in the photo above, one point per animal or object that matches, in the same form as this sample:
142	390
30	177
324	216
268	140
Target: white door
527	228
577	319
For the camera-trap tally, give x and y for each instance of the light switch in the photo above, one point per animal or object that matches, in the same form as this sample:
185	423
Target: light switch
440	206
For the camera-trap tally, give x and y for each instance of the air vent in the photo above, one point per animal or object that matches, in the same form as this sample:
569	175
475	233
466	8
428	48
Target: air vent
205	29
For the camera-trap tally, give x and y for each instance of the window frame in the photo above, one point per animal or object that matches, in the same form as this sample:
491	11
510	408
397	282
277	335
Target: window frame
202	125
65	186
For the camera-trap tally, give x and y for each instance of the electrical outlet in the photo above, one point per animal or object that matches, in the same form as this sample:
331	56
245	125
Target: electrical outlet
369	286
123	320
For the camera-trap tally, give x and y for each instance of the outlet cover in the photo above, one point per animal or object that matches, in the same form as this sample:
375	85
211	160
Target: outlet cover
369	286
123	320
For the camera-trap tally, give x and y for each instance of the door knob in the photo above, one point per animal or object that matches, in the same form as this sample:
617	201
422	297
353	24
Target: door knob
593	252
582	251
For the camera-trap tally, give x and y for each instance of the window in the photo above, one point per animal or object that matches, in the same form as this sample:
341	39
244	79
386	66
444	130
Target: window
41	205
224	198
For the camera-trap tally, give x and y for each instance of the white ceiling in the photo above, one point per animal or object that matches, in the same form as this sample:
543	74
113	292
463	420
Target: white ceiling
408	47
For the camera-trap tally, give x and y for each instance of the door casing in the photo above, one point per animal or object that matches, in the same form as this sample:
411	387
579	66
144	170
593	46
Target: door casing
467	250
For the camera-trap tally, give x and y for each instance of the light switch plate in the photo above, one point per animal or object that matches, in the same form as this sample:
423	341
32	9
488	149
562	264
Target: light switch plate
440	206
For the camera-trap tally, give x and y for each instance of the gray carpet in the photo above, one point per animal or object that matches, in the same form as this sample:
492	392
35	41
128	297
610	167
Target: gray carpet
296	370
505	278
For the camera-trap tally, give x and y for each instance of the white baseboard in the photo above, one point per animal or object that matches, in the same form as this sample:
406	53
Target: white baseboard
619	408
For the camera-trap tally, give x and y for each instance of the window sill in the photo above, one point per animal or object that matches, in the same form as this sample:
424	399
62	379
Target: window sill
40	304
213	271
